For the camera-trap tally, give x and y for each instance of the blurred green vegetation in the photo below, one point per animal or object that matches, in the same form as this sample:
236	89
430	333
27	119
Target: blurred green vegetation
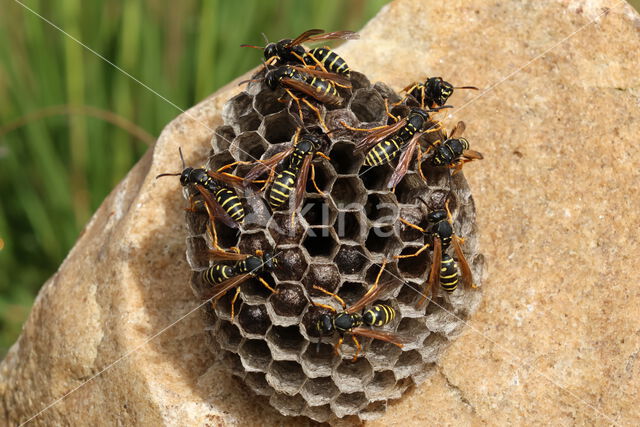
71	125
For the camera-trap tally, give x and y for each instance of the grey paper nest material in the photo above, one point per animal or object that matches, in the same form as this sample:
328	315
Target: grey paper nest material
338	243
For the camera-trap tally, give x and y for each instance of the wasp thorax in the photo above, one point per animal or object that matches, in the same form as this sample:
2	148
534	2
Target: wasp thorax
437	216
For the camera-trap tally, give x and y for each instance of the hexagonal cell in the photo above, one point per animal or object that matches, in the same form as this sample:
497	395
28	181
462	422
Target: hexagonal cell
227	236
318	211
324	177
373	411
436	177
319	391
288	405
233	363
386	92
334	118
348	404
381	208
344	158
255	355
283	231
253	241
229	337
285	343
359	80
266	102
351	259
368	105
413	216
197	252
350	226
318	413
249	122
401	386
324	275
219	160
376	178
278	127
258	383
292	264
415	329
223	305
351	292
433	345
410	362
389	274
253	320
320	242
415	266
410	188
290	301
380	385
382	355
410	295
222	138
382	240
248	147
348	193
254	292
351	377
286	377
237	106
318	360
196	216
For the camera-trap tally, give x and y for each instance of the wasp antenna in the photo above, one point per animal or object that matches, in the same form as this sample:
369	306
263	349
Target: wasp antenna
466	87
266	40
251	46
248	81
168	174
439	108
184	165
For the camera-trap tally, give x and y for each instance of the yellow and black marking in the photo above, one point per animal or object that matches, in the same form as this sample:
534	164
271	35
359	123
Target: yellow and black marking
282	188
322	86
448	274
378	315
330	60
384	151
218	273
229	202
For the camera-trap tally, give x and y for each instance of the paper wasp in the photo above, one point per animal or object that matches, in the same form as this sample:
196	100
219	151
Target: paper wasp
444	270
216	188
433	92
291	51
454	152
296	161
351	319
235	268
384	143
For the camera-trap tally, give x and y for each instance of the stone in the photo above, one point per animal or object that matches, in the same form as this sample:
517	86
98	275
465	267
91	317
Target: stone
115	336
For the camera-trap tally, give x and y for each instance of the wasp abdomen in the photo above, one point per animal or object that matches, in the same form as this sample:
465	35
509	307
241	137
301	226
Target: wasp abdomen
448	274
230	203
379	315
282	188
330	60
384	152
218	273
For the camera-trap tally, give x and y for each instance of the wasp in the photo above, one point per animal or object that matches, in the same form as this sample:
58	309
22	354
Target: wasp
433	92
315	84
384	143
295	162
351	319
454	152
289	51
234	268
444	270
216	188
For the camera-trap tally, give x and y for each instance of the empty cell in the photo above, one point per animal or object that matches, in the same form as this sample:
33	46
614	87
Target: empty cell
219	160
324	177
320	242
248	147
266	102
237	106
410	188
350	226
283	231
289	301
382	240
351	377
348	193
367	105
317	211
319	391
318	413
381	208
255	355
222	138
410	362
344	158
415	266
253	241
376	178
258	383
292	264
380	385
351	259
227	236
253	320
359	80
278	127
286	343
433	346
286	377
410	294
351	292
249	122
319	359
386	92
288	405
389	275
348	404
373	410
382	354
233	363
197	252
229	336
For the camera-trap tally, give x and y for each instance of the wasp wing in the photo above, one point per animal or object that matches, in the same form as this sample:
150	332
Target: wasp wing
307	89
214	210
304	37
458	130
301	183
266	165
472	154
344	35
227	256
342	80
370	296
467	276
221	288
379	335
436	262
226	178
366	143
404	162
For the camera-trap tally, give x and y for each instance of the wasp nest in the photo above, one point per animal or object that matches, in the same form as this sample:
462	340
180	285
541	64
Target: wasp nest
339	240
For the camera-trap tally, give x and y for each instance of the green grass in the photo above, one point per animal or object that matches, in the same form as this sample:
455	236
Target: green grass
60	151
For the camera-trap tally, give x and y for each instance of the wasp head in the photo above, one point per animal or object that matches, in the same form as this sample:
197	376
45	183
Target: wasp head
437	216
324	326
272	79
439	90
271	51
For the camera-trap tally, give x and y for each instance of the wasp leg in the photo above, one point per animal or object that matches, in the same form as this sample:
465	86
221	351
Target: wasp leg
313	181
266	285
336	348
418	252
386	109
323	290
230	165
358	347
407	223
449	216
361	129
297	101
317	110
324	156
233	302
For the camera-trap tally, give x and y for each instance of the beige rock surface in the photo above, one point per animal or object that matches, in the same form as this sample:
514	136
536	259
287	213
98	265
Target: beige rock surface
556	339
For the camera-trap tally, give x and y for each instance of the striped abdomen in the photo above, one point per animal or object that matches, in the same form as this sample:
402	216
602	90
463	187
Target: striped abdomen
282	187
384	151
230	203
379	315
324	91
448	274
330	60
449	151
218	273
